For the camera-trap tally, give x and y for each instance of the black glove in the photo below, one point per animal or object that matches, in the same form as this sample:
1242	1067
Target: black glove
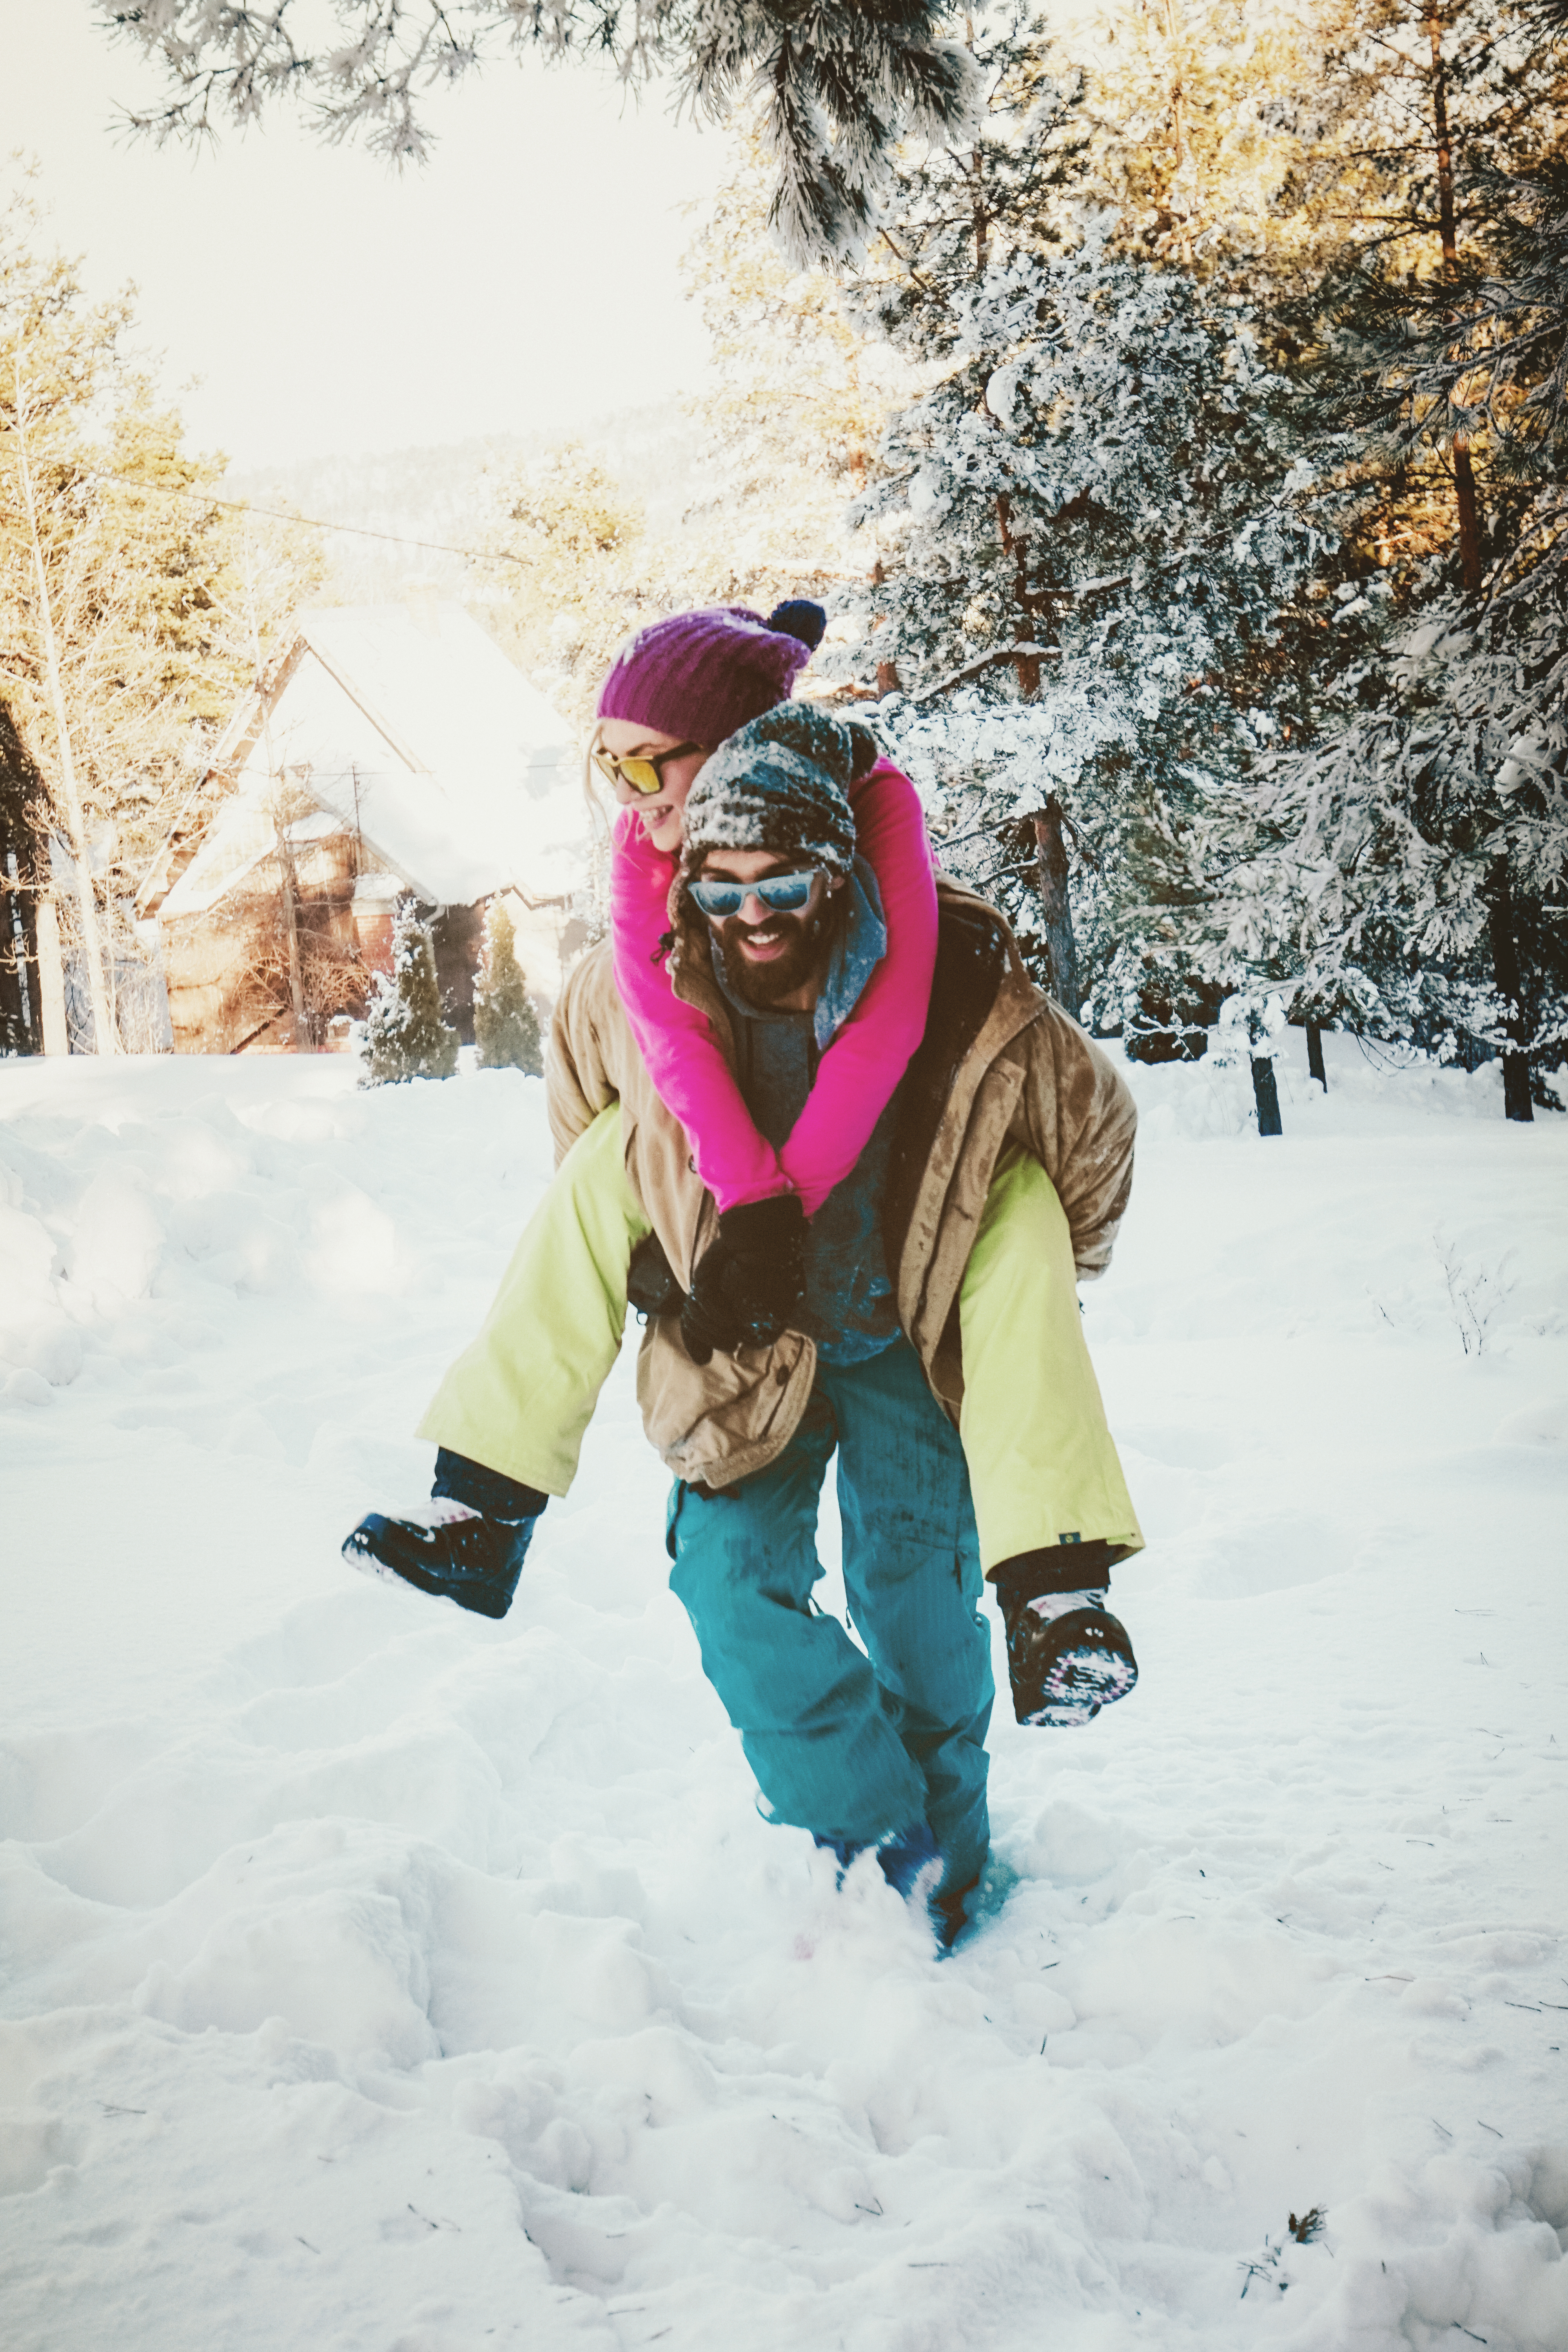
651	1284
749	1284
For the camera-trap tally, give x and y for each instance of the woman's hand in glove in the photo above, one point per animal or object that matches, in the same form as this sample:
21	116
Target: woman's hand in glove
749	1284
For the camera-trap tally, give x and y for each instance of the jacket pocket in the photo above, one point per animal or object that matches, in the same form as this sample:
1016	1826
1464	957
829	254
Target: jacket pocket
718	1422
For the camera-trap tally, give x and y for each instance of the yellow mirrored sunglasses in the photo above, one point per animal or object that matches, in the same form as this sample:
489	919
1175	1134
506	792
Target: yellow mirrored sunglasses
645	776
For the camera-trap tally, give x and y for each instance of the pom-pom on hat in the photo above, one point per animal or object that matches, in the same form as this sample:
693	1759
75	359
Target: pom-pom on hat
699	676
780	783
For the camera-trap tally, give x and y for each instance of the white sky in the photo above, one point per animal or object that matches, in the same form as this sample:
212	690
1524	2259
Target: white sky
524	280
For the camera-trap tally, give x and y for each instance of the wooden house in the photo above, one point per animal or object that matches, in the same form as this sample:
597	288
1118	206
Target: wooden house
389	750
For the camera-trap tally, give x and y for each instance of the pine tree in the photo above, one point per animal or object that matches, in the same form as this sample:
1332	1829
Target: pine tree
1093	529
1434	111
842	81
1480	358
505	1026
1407	868
405	1035
1013	185
1204	121
1407	873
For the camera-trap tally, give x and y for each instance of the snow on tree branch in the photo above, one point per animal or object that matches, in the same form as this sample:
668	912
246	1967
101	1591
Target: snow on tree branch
842	84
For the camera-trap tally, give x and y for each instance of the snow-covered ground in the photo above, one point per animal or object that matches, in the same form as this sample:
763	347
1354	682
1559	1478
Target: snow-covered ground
378	1977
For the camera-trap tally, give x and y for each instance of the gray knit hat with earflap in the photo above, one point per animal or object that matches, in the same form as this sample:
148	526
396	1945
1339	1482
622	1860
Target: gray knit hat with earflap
780	783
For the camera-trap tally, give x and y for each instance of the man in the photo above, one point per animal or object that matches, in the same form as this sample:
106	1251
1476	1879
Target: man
847	1335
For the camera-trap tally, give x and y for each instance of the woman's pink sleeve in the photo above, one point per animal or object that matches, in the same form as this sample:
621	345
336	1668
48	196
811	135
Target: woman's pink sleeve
872	1050
676	1042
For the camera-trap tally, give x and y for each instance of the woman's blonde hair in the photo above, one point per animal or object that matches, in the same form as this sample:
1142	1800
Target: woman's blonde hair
594	791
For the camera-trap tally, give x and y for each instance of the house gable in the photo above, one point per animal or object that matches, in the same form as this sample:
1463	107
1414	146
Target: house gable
395	743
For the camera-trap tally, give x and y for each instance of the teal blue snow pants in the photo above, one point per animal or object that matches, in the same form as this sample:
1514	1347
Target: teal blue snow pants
847	1745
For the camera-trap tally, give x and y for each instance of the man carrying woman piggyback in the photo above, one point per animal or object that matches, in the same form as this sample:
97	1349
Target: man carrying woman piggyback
814	1119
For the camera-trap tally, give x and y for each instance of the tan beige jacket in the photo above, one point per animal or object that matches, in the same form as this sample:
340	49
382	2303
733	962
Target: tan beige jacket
1000	1062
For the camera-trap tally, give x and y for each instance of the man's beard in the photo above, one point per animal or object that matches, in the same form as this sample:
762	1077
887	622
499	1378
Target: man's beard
808	942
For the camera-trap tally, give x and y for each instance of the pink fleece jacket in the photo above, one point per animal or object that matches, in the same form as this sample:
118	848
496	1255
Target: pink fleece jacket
866	1058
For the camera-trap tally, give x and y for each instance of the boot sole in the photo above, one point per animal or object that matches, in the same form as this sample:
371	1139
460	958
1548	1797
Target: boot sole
1079	1684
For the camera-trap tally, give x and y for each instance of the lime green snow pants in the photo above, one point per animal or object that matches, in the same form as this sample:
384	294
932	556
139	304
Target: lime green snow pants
520	1399
1042	1464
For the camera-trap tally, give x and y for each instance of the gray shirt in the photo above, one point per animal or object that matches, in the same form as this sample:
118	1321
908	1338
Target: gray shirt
849	1308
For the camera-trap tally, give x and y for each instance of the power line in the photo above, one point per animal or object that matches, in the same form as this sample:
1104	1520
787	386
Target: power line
312	522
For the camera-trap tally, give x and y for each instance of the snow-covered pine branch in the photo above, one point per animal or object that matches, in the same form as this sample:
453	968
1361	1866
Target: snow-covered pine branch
1409	872
842	84
1091	523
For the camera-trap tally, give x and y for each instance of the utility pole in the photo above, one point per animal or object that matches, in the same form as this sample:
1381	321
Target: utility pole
290	920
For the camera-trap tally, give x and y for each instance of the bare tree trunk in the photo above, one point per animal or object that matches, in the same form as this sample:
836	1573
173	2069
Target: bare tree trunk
1027	667
1056	906
105	1039
1315	1055
1266	1095
1516	1101
1464	472
51	981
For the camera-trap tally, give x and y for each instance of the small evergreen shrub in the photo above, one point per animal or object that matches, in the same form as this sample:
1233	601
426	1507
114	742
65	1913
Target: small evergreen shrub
405	1035
505	1026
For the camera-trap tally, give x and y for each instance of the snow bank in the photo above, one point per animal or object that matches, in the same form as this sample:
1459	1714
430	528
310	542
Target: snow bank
375	1977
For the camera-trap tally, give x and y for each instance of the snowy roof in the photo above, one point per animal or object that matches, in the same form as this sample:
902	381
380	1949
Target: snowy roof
411	727
242	835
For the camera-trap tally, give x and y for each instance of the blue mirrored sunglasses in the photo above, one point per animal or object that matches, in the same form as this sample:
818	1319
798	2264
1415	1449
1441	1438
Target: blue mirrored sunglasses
785	894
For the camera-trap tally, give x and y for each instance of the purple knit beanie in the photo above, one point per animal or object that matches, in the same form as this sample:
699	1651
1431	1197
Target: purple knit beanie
700	676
